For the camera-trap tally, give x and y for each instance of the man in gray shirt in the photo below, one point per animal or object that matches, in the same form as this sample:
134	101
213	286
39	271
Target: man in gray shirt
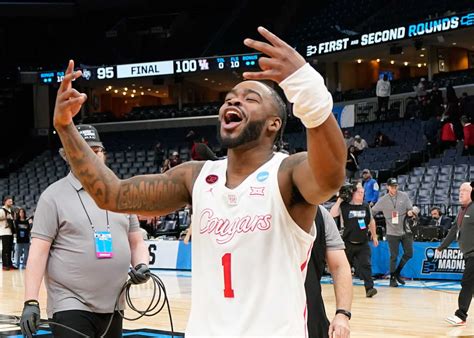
84	254
396	206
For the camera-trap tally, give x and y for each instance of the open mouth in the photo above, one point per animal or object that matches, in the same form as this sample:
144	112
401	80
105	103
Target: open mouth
232	116
232	119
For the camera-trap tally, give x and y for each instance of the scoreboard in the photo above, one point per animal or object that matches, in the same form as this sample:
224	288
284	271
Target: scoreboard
217	63
239	62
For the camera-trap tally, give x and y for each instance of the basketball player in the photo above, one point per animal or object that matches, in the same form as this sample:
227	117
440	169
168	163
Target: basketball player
253	213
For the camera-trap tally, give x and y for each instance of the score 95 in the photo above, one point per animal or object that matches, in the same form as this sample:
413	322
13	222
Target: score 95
105	73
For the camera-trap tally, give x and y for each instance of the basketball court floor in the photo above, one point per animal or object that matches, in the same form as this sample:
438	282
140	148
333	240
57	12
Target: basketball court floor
415	310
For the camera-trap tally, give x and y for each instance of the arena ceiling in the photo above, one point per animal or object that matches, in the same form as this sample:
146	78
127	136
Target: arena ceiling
45	33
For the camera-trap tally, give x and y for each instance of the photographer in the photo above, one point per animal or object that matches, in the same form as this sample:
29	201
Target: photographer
356	219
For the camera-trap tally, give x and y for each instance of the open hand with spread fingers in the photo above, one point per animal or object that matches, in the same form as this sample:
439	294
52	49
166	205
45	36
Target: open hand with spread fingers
281	61
68	100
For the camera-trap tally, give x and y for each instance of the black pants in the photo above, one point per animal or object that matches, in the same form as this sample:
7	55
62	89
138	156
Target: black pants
467	287
383	103
393	244
359	257
88	323
318	323
7	248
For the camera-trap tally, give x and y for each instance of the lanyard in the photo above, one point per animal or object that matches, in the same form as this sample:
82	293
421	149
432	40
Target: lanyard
87	214
394	204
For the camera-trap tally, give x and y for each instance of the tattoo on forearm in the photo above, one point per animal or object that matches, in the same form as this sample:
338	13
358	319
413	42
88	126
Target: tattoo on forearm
159	193
146	193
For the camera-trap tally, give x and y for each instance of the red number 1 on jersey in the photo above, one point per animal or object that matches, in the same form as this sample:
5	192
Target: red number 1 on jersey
228	291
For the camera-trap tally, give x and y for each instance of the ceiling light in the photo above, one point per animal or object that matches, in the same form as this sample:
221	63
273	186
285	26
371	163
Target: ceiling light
142	93
125	89
454	43
140	87
206	79
124	93
378	60
419	65
392	62
133	84
359	61
133	95
424	64
157	91
405	63
423	48
115	91
107	89
134	91
422	55
149	89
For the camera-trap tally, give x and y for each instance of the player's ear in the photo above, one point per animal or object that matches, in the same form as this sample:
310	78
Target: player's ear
275	124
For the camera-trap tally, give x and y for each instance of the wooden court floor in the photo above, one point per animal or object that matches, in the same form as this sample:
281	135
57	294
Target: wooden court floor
393	312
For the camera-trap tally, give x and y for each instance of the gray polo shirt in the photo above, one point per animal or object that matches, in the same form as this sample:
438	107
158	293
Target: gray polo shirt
333	238
75	279
388	204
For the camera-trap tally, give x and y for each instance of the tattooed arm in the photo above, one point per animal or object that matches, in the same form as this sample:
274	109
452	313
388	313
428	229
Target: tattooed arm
158	194
146	195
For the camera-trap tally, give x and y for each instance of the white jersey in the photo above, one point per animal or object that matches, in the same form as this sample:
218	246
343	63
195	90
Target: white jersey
249	257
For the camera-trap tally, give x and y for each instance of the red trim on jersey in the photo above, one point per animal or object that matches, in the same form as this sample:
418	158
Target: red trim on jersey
303	266
305	322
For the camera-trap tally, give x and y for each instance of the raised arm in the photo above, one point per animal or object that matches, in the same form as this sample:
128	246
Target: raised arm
146	194
319	173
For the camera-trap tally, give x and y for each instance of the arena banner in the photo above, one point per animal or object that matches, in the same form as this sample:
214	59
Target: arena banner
168	254
411	31
426	263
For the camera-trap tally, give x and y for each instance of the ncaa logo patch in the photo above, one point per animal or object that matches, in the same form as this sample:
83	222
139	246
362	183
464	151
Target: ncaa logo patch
211	179
262	176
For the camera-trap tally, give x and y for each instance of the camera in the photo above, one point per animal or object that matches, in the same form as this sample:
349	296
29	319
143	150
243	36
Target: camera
346	191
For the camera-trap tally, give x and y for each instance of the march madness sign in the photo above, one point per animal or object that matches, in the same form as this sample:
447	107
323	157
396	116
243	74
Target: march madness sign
449	260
